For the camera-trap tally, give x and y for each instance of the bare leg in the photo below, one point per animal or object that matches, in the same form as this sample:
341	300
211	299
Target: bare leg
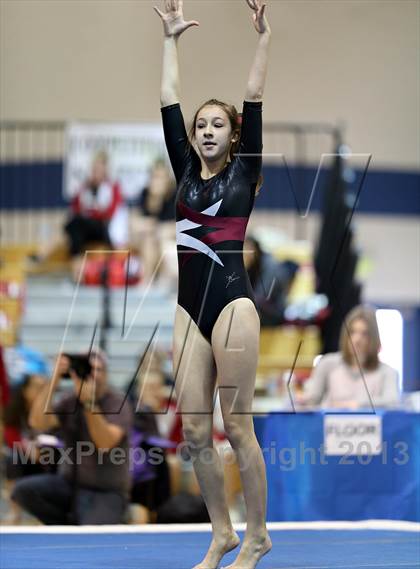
235	341
195	378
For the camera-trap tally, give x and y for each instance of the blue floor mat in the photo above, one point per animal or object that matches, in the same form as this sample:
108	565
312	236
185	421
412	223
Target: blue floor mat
312	549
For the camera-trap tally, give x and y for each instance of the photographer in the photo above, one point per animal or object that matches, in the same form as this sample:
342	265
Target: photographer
92	484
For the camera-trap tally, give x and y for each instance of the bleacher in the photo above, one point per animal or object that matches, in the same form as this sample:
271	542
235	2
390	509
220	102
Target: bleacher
59	315
51	314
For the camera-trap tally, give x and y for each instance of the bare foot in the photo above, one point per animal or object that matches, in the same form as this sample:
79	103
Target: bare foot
251	552
218	547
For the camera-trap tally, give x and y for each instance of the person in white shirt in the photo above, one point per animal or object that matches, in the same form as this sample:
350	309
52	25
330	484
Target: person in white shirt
354	377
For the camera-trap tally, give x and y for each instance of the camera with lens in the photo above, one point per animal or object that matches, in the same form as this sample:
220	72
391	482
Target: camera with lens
80	364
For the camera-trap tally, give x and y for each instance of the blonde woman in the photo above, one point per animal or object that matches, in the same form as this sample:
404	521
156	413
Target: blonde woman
354	377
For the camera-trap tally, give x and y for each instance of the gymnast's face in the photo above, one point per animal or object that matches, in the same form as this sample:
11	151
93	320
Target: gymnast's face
213	133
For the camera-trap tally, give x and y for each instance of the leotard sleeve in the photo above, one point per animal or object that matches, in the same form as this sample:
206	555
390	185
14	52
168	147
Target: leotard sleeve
251	137
176	138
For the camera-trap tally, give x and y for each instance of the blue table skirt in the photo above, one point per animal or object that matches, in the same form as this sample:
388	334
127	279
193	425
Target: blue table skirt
306	485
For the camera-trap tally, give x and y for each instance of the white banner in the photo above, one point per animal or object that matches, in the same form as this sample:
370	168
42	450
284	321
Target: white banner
352	434
132	150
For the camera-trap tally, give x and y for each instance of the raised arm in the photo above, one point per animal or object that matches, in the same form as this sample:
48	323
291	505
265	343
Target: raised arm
173	26
256	80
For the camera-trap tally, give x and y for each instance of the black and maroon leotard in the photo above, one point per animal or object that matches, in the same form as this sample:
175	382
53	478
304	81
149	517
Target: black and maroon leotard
211	217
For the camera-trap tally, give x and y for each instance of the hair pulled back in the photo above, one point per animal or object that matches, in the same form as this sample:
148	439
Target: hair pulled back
235	120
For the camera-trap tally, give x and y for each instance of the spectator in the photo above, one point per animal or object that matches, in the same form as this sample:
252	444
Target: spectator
157	200
19	436
155	394
92	484
16	427
4	383
98	213
351	378
270	280
4	392
151	478
155	228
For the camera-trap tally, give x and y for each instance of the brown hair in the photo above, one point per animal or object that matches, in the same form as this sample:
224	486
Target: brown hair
235	123
367	315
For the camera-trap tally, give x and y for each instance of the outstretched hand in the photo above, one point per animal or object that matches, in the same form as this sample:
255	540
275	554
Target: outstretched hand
260	21
173	19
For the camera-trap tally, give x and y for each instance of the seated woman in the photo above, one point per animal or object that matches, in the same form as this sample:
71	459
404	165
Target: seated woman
157	200
353	378
151	483
98	214
154	230
98	219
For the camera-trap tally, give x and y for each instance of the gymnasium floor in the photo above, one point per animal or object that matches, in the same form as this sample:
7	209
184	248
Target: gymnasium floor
315	545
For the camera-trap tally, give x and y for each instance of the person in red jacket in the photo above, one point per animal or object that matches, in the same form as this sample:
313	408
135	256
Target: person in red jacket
93	208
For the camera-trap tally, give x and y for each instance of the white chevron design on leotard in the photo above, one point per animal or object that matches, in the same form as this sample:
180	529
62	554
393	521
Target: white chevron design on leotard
192	242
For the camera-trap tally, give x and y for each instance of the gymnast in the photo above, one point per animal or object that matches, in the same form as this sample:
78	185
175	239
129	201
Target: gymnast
216	331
